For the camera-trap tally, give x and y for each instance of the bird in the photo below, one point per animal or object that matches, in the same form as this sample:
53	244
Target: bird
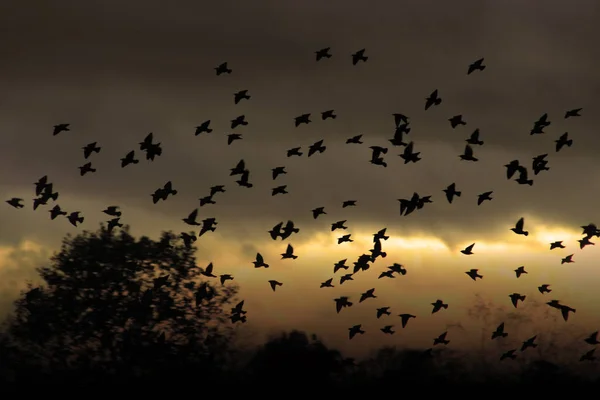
468	250
523	177
518	229
510	354
499	332
511	168
316	147
588	356
476	66
456	121
592	339
349	203
484	196
274	284
279	190
346	277
203	128
474	139
232	137
520	271
451	192
345	239
557	245
85	168
217	189
318	211
388	330
563	141
354	140
327	283
340	265
329	114
359	56
432	100
383	311
573	113
353	331
467	154
224	278
302	119
369	294
473	274
545	288
129	159
441	339
275	172
567	260
294	152
15	202
239	168
60	128
222	69
240	120
260	262
342	302
74	218
405	318
241	95
56	211
208	271
90	148
438	305
289	253
408	155
323	53
515	298
529	343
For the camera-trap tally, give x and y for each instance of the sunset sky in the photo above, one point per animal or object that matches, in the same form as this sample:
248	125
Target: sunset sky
117	70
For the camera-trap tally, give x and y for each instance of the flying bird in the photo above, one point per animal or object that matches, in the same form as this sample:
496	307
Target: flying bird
222	69
468	250
323	53
563	141
203	128
241	95
484	196
518	229
60	128
557	245
474	274
520	271
15	202
274	284
359	56
432	100
90	148
499	332
438	305
573	113
474	139
515	298
545	288
260	262
456	121
476	66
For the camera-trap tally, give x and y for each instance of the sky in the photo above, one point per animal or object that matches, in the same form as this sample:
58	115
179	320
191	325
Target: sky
118	70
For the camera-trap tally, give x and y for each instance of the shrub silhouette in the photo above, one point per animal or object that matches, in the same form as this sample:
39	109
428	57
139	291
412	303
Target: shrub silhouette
102	312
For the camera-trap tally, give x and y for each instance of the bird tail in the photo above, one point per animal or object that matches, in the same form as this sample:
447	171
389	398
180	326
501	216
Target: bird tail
54	196
174	192
348	304
445	306
136	161
294	257
80	220
457	194
526	233
482	67
569	142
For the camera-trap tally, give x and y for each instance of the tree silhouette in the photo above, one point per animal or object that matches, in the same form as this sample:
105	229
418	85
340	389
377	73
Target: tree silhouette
119	306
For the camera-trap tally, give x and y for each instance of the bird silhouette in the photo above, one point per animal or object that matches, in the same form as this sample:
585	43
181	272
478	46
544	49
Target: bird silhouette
240	120
74	218
468	250
302	119
441	339
467	154
316	147
388	330
340	265
474	139
383	311
432	100
85	168
342	302
592	339
438	305
529	343
354	140
56	211
208	271
203	128
563	141
346	277
499	332
474	274
329	114
222	69
359	56
408	155
451	192
294	152
369	294
318	211
289	253
244	180
274	284
405	318
279	190
353	331
61	128
224	278
15	202
557	245
588	356
129	159
484	196
241	95
512	168
476	66
567	260
545	288
260	262
90	148
520	271
523	178
510	354
573	113
345	239
515	298
323	53
327	283
275	172
232	137
456	121
518	229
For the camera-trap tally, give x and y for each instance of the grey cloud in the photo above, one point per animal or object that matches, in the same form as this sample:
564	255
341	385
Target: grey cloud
115	76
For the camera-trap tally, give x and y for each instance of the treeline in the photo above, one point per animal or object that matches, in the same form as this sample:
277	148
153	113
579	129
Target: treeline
114	309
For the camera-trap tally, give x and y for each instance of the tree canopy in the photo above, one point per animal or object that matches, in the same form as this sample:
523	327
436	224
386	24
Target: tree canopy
117	304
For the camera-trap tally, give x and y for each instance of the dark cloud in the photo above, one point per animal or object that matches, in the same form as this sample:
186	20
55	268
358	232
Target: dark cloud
117	71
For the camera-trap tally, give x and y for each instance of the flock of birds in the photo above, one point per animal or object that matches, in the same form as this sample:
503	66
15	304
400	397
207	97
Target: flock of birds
45	192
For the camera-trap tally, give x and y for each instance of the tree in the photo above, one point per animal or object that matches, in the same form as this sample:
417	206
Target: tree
111	304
